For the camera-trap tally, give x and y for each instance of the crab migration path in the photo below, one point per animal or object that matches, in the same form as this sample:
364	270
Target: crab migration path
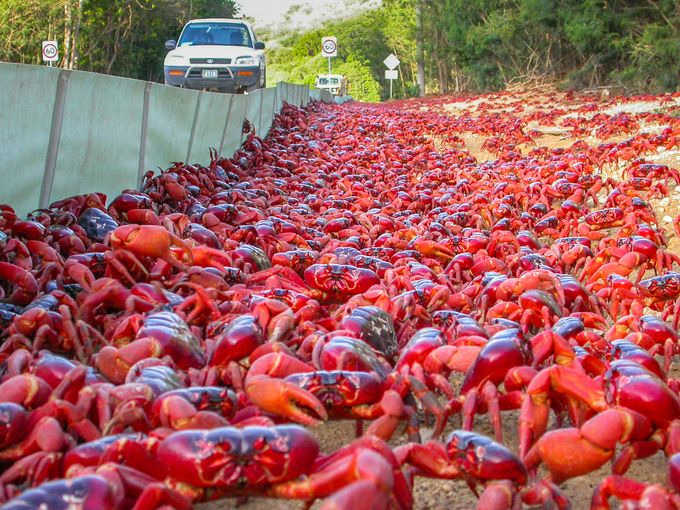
407	305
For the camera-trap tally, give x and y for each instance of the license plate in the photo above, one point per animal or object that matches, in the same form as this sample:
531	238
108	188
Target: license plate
209	73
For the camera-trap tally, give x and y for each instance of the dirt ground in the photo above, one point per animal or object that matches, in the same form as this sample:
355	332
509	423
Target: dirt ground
453	495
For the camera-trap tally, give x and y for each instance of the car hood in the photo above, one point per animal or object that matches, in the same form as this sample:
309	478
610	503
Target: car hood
181	55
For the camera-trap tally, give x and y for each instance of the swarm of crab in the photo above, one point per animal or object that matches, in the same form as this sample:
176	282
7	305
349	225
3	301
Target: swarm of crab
179	343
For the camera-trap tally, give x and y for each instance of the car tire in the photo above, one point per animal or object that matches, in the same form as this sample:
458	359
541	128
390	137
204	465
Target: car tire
264	80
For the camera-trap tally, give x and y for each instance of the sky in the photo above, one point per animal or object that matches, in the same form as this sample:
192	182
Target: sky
271	13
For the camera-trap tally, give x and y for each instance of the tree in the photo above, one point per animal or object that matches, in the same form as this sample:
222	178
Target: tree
25	23
123	37
420	50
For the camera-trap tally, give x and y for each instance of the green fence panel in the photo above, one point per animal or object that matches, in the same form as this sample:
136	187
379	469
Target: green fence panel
26	107
290	89
267	110
171	117
292	93
72	132
212	118
288	93
100	136
299	96
279	97
233	134
253	109
282	94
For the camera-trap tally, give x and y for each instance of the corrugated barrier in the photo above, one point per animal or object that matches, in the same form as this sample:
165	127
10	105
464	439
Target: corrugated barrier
64	133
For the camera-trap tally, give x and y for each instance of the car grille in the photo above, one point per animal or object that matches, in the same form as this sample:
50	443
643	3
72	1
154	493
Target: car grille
196	73
210	60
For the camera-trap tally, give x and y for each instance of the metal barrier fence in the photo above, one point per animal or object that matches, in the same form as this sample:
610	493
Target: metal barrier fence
64	132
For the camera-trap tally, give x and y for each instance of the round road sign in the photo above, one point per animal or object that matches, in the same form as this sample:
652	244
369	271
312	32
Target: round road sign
50	51
329	46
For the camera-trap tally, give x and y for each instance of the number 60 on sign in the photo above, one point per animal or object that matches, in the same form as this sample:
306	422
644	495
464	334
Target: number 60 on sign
50	51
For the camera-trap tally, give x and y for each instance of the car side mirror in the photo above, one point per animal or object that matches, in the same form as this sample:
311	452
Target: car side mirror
259	45
171	44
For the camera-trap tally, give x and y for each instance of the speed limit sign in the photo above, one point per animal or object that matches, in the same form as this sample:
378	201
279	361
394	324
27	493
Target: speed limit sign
50	51
329	46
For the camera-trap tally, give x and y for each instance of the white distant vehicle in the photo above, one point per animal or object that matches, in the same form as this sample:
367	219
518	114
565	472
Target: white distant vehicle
216	53
336	84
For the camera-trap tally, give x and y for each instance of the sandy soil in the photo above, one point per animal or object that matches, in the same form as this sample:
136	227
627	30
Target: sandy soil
453	495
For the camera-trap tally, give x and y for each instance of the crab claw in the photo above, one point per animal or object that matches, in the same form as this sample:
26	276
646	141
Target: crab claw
285	399
25	286
431	248
360	494
151	241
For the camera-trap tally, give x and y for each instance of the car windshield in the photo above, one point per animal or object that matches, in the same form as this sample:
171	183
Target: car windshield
220	34
323	81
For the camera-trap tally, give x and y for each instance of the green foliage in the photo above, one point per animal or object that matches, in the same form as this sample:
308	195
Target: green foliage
361	83
124	37
355	67
655	60
363	43
24	25
488	43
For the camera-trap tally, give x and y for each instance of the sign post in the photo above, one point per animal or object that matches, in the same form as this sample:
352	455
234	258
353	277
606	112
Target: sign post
50	52
391	75
329	48
391	62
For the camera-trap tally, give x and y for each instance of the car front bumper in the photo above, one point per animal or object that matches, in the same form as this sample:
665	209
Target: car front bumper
228	77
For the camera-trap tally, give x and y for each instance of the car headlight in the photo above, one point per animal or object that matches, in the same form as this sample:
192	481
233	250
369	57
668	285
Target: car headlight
175	60
245	61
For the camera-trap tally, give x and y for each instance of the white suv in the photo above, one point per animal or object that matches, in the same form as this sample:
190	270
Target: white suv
221	54
336	84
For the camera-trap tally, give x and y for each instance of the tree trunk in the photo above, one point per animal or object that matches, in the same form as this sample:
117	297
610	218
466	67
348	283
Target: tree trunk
68	25
403	84
75	53
420	51
443	70
121	33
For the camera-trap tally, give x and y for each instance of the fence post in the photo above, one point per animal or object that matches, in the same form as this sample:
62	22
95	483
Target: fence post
142	135
226	123
193	126
55	137
259	118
